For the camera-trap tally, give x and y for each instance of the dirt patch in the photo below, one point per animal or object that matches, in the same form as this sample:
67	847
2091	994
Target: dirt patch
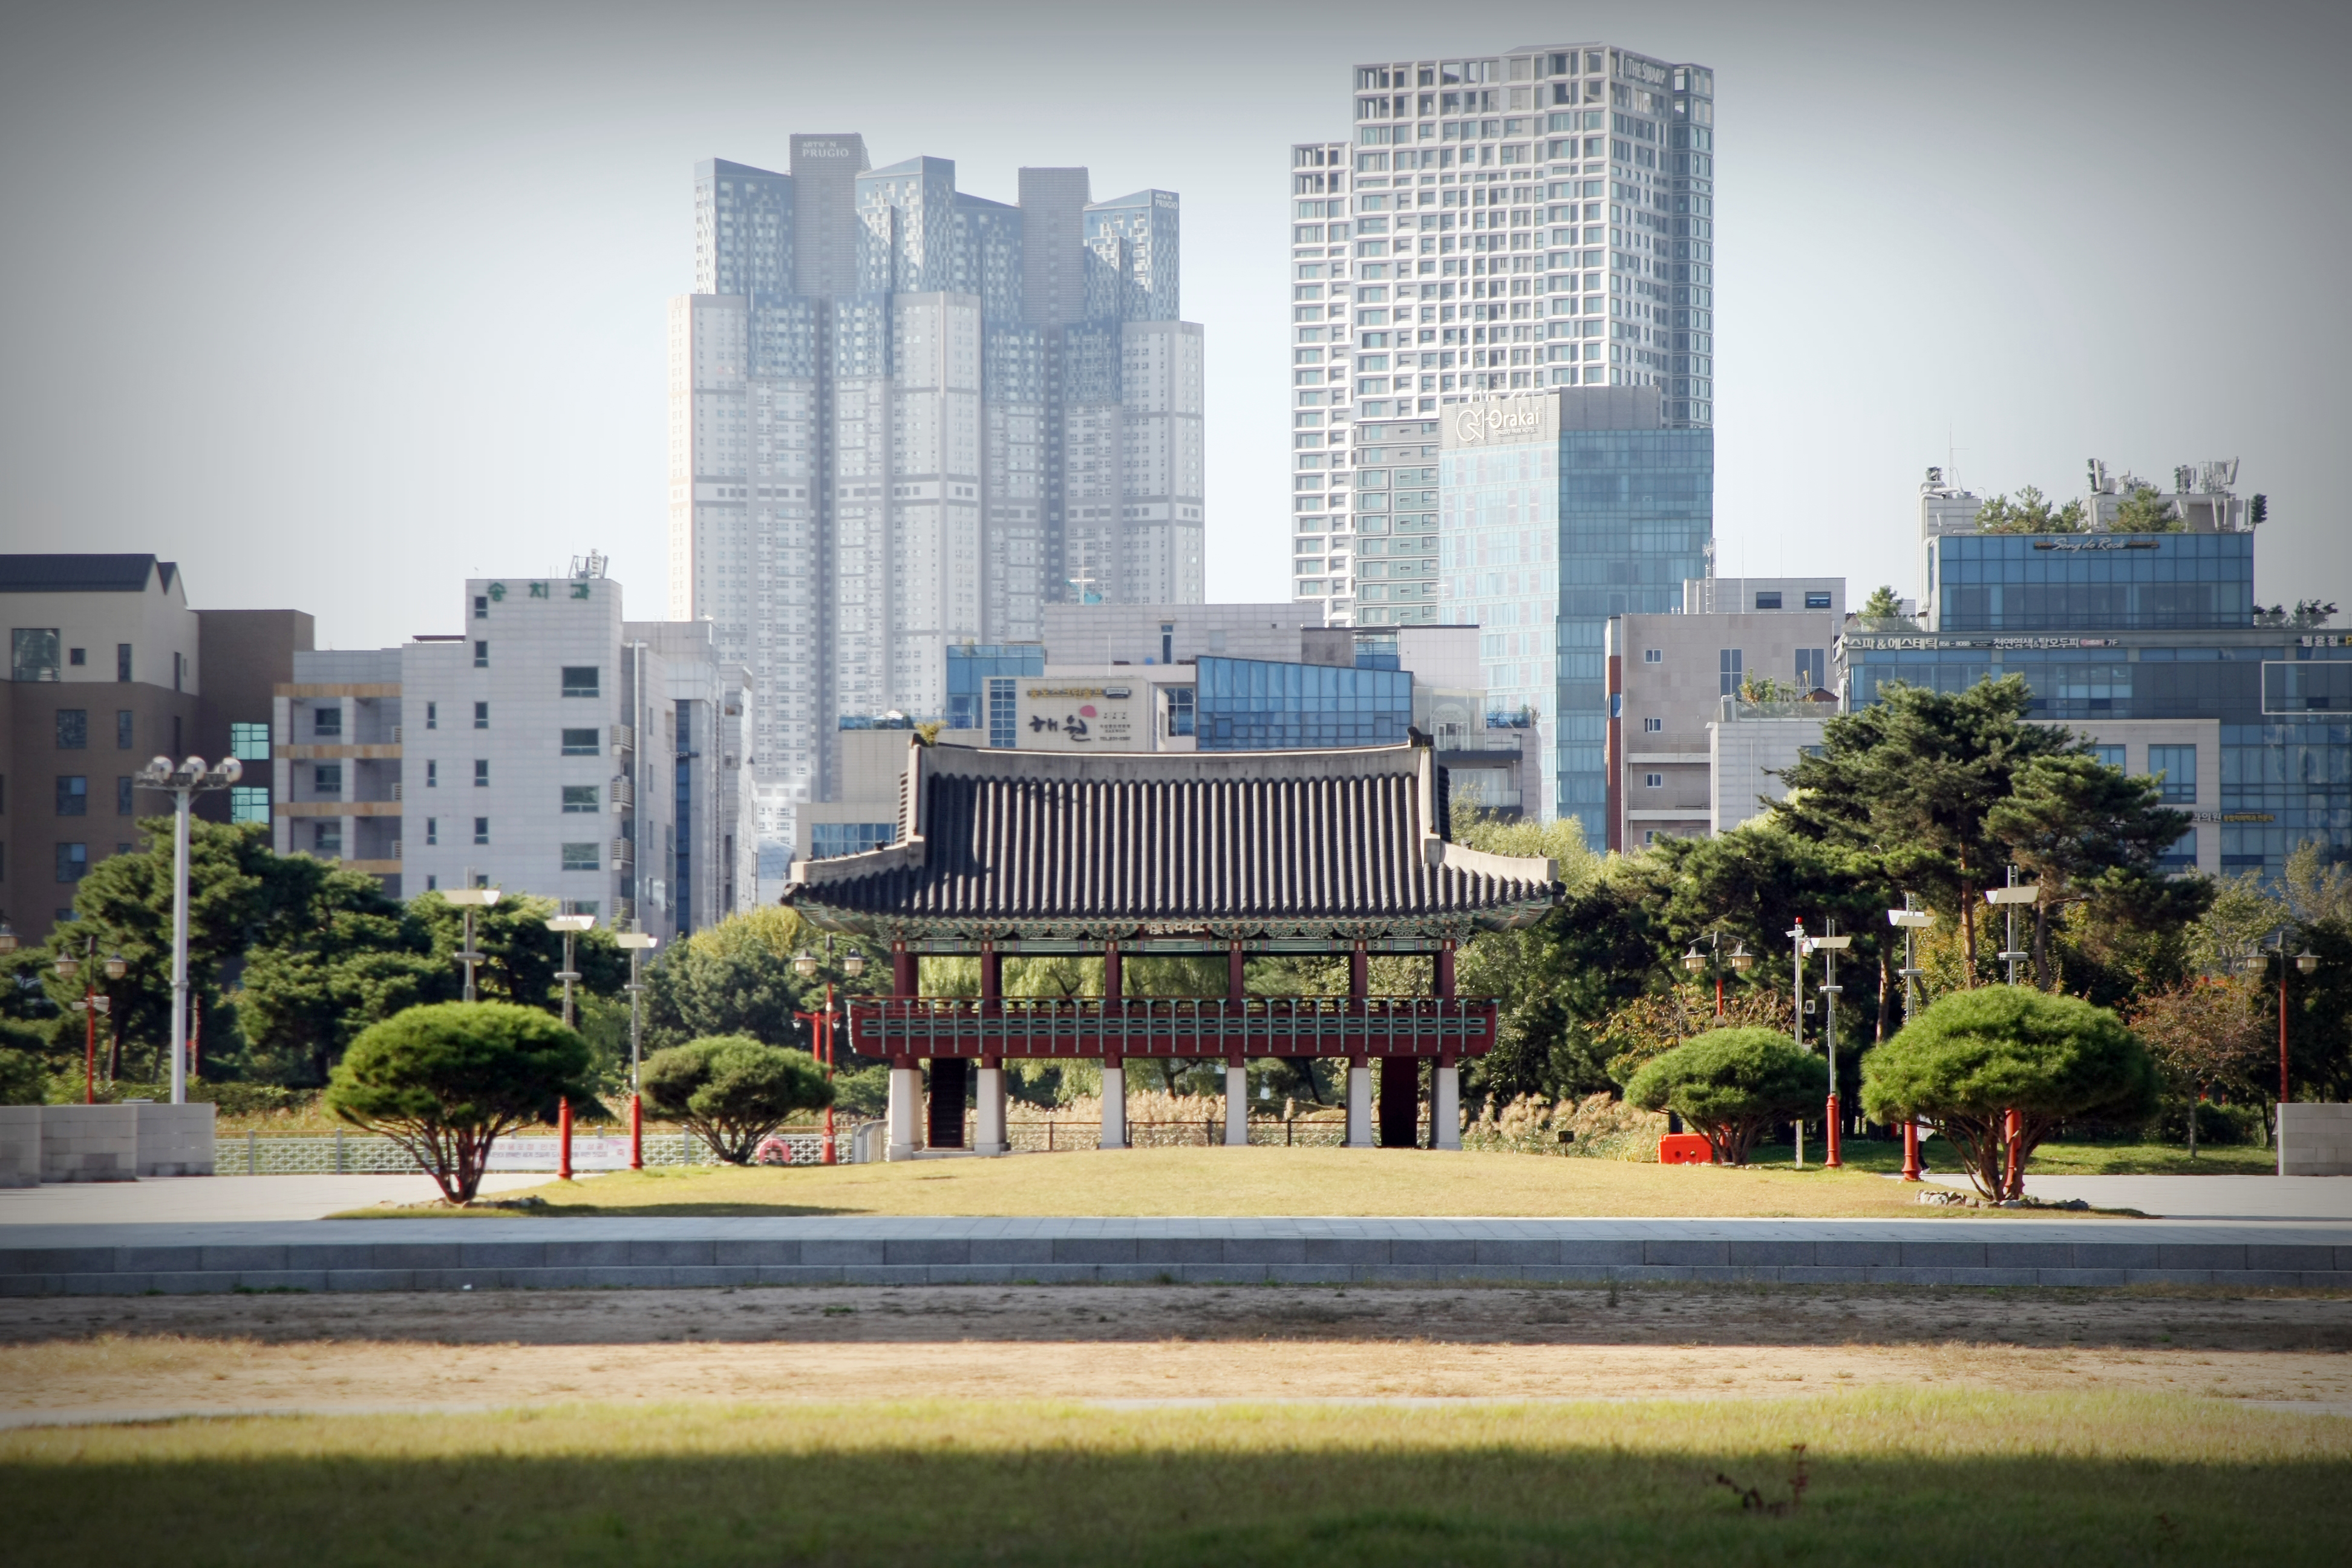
393	1351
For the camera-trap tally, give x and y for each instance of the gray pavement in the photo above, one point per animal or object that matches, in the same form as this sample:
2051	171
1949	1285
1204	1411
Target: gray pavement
197	1200
2195	1197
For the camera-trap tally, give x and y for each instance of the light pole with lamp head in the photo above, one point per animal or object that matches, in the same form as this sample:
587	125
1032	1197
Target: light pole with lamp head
469	899
570	926
1830	944
2306	963
183	781
635	942
1797	947
804	964
1739	959
1910	920
92	1006
2007	898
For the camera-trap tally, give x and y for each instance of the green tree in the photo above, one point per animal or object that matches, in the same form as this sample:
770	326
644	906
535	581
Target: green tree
2145	510
2087	834
2031	512
311	989
445	1082
23	1079
1912	781
1975	1058
2206	1037
1882	605
738	978
733	1090
1732	1085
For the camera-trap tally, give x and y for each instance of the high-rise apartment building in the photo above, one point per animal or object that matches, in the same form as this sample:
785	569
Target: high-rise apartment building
1539	217
903	419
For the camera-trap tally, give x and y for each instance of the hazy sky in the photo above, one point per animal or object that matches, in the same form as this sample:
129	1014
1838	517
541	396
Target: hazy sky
336	303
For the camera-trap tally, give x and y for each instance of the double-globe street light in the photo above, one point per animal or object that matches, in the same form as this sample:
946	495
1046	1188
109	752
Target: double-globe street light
1699	963
2306	963
183	781
93	1005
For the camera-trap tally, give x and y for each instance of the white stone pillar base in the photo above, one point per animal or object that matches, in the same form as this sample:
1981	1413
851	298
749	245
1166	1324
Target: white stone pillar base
1236	1106
1114	1098
1446	1109
988	1116
1359	1107
906	1112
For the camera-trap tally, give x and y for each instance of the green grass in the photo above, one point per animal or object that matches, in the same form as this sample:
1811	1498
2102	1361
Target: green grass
1921	1478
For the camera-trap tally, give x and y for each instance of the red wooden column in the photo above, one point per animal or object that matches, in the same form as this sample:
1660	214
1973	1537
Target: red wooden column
906	971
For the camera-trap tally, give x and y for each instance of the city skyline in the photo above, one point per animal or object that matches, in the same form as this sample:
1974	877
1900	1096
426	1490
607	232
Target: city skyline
1912	278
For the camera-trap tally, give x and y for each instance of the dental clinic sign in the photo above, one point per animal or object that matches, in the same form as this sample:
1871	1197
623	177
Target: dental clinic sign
1503	421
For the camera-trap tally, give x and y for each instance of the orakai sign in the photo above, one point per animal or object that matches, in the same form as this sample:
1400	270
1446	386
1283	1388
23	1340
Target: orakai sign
1494	421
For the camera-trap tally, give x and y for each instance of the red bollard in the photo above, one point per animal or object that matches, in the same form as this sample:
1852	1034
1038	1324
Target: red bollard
1910	1149
563	1141
1833	1161
637	1133
2013	1181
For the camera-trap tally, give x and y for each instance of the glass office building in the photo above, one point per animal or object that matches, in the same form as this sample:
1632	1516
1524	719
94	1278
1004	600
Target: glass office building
1558	510
2147	645
980	681
1259	705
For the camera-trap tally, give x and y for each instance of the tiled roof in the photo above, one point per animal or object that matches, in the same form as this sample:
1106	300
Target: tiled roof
79	574
1015	842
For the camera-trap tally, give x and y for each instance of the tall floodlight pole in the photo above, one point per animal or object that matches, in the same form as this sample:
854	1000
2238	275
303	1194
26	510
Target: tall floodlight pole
469	899
1910	919
636	943
183	781
570	926
1798	946
2009	897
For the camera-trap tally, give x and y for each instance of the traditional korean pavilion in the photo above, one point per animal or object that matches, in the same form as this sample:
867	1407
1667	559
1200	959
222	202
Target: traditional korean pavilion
1006	852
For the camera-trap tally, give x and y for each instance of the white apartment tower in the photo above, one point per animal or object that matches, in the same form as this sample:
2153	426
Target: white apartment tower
904	418
1539	217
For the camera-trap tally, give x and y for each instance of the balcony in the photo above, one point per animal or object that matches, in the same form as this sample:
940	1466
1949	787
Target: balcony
624	854
624	739
623	792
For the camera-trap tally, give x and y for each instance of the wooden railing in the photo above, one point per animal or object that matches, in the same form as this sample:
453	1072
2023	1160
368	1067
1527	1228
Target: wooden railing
1173	1027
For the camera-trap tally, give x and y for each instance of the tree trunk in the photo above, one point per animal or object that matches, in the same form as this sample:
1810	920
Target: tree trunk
2041	945
2194	1097
1969	933
1885	994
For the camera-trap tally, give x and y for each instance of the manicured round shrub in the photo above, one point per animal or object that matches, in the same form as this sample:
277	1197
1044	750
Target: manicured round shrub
1975	1057
1732	1085
445	1082
733	1090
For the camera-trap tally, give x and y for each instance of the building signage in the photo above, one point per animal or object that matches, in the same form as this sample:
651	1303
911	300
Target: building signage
1496	421
1083	718
1861	645
2107	542
2230	815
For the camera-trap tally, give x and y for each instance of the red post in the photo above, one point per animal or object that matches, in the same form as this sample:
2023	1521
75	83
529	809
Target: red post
1718	995
1359	972
2013	1183
1446	970
1833	1161
637	1133
563	1140
1910	1149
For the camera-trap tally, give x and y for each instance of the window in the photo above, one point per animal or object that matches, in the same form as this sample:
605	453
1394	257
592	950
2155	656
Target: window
433	715
481	830
1816	598
482	715
580	681
2182	854
583	856
327	840
1652	726
73	795
481	772
481	656
33	654
827	839
247	743
73	861
2109	756
326	724
579	799
78	656
432	774
249	803
1730	668
122	807
73	729
1654	655
582	742
1180	709
481	606
2179	766
122	661
1813	669
581	906
327	778
1654	781
1768	600
432	830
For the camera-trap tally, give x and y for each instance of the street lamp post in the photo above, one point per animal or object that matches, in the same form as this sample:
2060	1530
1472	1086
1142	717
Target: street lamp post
1739	958
92	1006
1797	948
1832	944
636	943
183	781
469	899
1910	919
570	926
2007	898
2306	963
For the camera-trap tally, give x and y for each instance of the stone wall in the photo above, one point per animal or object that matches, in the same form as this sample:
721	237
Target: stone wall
175	1139
20	1146
2314	1141
90	1142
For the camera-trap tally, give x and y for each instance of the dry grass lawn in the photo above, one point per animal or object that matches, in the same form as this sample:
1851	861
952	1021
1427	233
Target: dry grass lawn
1208	1183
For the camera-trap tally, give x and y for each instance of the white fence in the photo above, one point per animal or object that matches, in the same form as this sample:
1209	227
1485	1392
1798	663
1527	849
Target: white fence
358	1153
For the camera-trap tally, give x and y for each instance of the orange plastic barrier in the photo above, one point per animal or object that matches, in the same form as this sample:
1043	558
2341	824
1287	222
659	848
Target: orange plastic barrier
1684	1149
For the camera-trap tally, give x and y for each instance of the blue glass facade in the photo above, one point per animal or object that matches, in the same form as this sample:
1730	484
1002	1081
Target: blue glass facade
827	839
1540	544
973	702
1258	705
2158	627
